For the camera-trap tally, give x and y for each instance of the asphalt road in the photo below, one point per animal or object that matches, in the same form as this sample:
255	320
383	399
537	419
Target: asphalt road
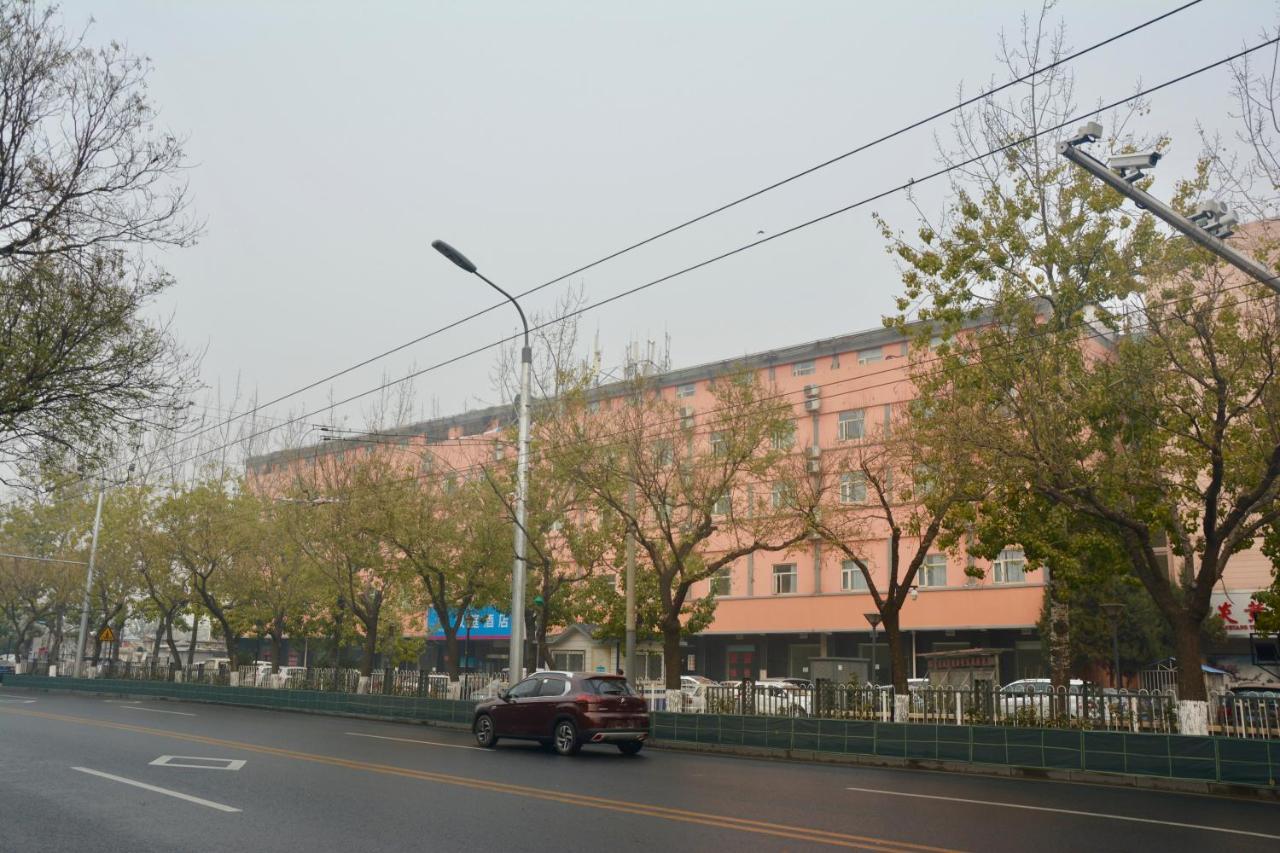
83	773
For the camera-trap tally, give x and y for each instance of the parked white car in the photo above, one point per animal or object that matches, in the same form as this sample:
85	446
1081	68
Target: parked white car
1036	696
694	688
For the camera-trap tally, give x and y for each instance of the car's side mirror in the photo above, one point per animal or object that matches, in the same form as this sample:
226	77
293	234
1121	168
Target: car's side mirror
504	695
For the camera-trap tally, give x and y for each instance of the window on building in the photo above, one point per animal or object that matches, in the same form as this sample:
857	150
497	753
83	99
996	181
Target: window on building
804	368
719	444
1010	566
785	438
664	453
780	496
723	505
835	361
686	390
853	488
569	661
870	356
721	582
935	342
852	425
593	406
933	572
851	577
784	579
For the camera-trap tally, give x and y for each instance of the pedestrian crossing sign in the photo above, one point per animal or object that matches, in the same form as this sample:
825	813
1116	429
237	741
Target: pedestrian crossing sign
107	635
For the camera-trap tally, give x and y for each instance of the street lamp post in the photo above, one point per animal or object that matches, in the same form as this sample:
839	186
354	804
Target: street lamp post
1114	611
88	587
874	620
522	467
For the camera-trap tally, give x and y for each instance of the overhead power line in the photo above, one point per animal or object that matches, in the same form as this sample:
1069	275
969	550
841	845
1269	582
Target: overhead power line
745	247
702	216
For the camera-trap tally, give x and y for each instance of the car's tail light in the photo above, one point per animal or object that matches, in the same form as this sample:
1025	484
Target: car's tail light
586	700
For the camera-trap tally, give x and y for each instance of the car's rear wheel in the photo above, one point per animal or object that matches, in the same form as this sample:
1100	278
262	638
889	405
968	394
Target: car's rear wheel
565	739
484	731
630	747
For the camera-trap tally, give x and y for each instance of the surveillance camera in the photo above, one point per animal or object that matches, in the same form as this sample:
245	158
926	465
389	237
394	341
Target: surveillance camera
1088	132
1224	226
1208	211
1132	162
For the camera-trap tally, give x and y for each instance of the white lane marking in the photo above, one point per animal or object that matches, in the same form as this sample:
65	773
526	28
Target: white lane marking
1070	812
177	761
14	700
122	701
157	789
156	710
425	742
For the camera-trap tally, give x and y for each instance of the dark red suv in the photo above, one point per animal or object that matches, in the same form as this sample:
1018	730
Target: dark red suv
566	710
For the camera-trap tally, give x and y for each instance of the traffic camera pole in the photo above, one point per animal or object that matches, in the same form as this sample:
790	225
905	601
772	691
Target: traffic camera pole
1176	220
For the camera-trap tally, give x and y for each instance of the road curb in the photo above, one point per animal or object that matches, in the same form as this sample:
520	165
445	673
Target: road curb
1118	780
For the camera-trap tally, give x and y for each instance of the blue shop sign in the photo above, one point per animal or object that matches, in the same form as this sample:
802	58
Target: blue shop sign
487	623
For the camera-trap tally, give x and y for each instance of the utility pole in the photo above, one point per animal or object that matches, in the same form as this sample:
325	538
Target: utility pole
629	667
1206	227
88	586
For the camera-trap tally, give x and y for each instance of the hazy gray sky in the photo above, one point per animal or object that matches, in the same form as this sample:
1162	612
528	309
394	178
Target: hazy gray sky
332	141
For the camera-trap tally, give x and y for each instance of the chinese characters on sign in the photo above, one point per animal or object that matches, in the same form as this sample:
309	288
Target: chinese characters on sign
1238	611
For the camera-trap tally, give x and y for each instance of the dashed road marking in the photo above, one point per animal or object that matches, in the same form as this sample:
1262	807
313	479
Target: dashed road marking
1073	812
158	790
424	742
157	710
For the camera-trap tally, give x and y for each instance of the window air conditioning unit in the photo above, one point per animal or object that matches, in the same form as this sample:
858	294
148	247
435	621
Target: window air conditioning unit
814	465
813	405
811	391
814	452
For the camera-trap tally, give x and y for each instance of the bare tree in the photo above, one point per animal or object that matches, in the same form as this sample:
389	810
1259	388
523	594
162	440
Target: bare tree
82	165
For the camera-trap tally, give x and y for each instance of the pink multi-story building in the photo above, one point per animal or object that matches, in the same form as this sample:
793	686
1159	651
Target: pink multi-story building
776	612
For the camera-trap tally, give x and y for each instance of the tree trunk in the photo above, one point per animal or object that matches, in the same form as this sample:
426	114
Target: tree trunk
191	644
338	618
277	649
451	652
97	648
155	644
59	628
370	648
543	652
671	653
897	653
1190	676
174	653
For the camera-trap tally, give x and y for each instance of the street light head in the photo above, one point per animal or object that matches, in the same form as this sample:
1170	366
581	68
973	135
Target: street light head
873	619
1113	610
453	254
1086	133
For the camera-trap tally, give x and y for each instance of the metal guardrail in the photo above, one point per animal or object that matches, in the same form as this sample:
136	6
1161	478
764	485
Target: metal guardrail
1041	707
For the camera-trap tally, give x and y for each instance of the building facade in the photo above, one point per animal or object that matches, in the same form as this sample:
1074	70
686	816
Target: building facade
777	612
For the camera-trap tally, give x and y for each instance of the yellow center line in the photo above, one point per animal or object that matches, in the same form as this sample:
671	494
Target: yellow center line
792	833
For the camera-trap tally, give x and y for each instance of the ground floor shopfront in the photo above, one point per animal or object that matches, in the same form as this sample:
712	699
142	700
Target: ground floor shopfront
760	656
